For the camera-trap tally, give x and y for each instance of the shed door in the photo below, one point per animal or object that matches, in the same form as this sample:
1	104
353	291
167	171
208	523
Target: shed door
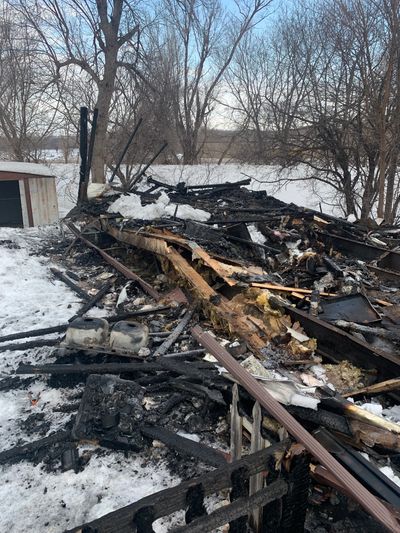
10	204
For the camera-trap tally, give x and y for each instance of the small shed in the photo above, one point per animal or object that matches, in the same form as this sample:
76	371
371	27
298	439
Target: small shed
28	195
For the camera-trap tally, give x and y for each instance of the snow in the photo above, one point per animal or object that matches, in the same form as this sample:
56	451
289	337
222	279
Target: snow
30	297
51	502
388	471
130	205
33	498
256	236
372	408
26	168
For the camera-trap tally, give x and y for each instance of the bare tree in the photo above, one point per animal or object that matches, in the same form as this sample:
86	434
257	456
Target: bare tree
28	107
330	99
202	39
97	37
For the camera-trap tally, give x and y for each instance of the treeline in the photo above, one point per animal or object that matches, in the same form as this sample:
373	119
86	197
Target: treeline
312	82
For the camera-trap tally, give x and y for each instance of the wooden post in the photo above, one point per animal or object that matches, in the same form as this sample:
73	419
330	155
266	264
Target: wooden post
236	426
83	152
256	481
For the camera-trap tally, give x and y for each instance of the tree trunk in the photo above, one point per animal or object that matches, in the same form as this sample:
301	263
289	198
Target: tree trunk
106	89
389	214
189	149
367	197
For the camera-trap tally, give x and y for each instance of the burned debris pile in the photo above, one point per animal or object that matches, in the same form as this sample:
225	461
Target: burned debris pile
252	344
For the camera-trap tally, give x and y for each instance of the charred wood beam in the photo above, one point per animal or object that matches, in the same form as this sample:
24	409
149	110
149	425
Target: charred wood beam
360	494
21	452
169	341
120	159
338	345
94	300
173	499
184	369
238	508
39	343
117	265
184	446
83	151
367	252
103	368
214	186
65	279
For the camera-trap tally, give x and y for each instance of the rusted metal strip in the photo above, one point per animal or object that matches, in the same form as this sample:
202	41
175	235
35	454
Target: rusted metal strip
358	492
117	265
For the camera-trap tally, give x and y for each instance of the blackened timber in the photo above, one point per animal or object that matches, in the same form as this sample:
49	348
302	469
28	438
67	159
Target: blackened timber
94	300
353	248
117	264
21	452
184	446
339	345
194	371
103	368
39	343
34	333
173	336
62	277
120	159
236	509
83	150
359	493
173	499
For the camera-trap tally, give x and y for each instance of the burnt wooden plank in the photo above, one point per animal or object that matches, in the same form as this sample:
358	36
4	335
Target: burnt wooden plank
170	500
233	511
65	279
39	343
103	368
19	452
185	446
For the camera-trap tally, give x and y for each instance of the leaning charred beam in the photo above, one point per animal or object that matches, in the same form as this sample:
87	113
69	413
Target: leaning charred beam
184	446
117	265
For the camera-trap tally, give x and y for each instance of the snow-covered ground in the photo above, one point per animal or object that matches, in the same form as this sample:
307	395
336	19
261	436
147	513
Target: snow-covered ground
263	178
31	498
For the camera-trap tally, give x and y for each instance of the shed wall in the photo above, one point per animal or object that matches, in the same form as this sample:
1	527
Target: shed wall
44	200
22	193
